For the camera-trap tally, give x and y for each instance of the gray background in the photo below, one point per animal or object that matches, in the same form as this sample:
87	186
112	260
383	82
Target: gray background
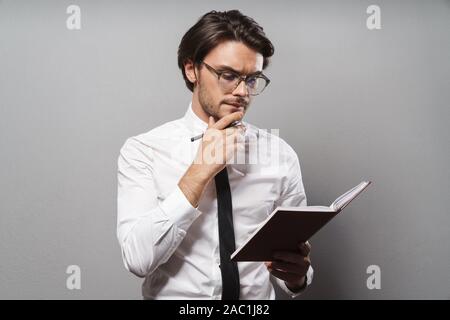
355	104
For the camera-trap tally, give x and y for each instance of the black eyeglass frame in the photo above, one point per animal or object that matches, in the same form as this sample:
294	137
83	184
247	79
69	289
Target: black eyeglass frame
241	77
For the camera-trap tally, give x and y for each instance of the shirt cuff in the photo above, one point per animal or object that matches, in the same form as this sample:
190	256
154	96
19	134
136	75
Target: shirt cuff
309	277
178	208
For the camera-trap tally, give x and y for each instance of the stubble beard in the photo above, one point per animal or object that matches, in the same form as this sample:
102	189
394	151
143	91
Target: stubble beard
206	102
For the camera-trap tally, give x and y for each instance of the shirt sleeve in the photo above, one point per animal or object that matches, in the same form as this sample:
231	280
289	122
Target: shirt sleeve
293	194
149	228
282	284
292	190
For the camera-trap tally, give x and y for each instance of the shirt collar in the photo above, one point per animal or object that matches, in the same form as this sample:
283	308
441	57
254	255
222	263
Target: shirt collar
193	121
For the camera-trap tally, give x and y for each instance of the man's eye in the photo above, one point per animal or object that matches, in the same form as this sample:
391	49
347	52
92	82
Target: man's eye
251	82
229	76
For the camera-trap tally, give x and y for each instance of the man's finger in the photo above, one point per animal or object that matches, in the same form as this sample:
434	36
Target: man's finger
288	256
286	276
211	121
305	248
299	269
230	131
228	119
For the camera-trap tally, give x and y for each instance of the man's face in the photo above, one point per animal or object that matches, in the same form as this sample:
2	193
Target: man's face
227	56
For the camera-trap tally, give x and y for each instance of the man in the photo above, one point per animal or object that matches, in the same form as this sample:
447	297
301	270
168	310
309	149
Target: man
183	204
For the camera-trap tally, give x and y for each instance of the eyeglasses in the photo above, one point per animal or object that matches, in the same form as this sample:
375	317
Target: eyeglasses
229	80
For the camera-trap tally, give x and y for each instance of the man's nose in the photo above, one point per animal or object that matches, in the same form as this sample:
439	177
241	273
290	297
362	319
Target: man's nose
241	90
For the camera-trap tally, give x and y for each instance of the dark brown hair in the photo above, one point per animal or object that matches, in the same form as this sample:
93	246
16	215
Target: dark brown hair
215	27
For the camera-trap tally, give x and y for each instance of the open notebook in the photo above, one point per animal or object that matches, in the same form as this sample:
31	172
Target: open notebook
287	226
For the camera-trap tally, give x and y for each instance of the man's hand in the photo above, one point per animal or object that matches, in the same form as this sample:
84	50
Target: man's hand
218	146
219	143
291	266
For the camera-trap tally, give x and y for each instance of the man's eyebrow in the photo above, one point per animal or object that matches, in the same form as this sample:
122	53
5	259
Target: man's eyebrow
228	68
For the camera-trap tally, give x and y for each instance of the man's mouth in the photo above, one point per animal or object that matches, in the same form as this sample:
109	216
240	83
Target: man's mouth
237	105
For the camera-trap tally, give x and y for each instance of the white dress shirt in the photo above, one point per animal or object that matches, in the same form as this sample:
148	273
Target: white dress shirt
176	246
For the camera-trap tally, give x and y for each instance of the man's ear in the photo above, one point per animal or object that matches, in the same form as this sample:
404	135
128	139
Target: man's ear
189	69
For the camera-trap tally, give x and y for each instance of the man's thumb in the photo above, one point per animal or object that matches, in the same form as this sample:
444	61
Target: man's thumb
211	121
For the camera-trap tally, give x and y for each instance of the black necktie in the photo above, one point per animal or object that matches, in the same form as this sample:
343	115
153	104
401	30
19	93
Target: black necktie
228	268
